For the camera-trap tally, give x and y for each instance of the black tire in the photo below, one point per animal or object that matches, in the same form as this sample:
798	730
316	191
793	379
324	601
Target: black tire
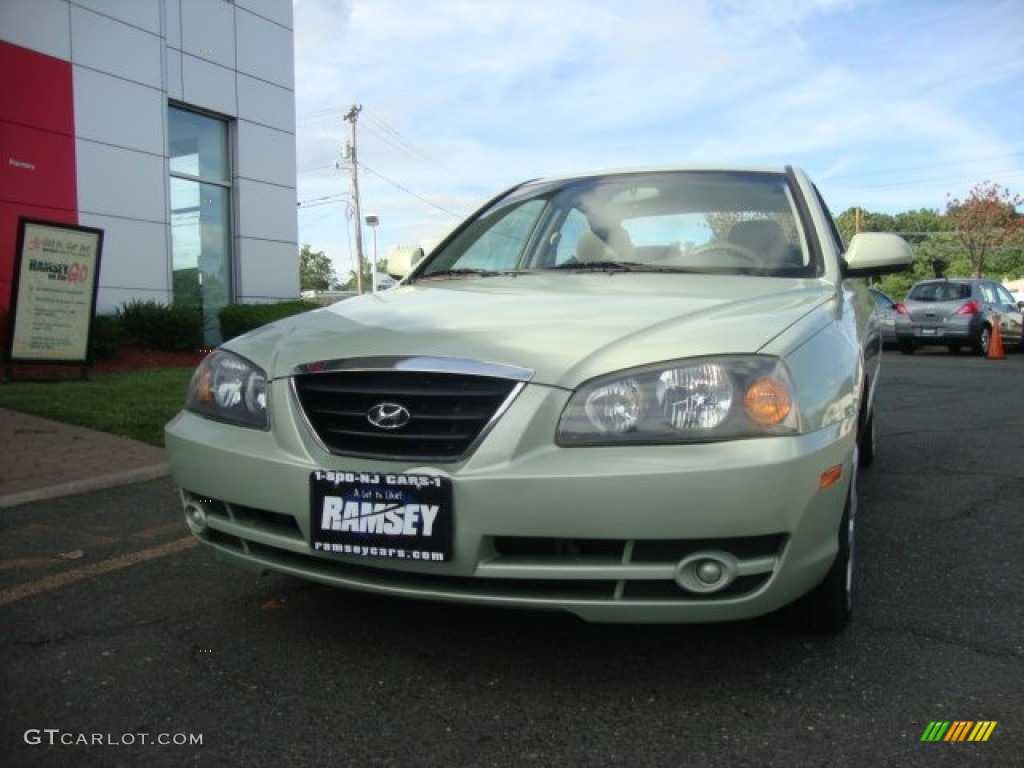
907	347
954	349
866	444
827	608
983	340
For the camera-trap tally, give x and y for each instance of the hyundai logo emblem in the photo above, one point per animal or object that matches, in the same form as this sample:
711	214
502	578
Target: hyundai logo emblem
388	416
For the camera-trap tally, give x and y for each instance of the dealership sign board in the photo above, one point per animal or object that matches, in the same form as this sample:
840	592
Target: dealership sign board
56	273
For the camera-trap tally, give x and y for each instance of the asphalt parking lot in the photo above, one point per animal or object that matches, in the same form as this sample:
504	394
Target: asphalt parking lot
125	644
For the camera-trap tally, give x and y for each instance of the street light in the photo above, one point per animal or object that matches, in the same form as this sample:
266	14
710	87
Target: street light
372	220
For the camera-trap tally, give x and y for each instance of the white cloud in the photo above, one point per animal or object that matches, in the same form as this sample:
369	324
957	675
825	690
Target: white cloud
463	97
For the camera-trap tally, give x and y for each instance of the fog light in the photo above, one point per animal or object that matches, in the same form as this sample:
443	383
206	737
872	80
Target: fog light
709	571
195	516
706	572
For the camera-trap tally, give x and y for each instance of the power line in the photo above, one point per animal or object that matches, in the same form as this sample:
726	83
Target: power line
409	192
396	139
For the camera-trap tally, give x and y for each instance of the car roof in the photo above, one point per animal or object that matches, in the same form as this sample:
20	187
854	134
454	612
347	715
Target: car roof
626	171
954	280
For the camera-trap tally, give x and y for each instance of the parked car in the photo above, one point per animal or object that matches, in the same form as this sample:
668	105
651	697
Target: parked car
887	311
956	313
636	396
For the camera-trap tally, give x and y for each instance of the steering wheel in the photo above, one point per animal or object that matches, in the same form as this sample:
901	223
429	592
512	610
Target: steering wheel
739	252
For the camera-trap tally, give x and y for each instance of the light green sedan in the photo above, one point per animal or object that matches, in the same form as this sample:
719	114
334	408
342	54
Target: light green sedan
638	396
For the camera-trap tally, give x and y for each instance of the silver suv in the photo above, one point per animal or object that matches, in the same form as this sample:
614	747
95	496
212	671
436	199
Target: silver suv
958	312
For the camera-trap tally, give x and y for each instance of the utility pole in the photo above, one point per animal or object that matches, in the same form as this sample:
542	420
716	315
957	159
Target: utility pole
351	117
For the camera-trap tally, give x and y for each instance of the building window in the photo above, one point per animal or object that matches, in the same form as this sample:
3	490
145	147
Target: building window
200	214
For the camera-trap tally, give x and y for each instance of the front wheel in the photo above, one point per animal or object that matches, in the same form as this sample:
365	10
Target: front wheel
826	609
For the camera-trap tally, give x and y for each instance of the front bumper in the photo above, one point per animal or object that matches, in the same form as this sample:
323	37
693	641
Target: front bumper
610	534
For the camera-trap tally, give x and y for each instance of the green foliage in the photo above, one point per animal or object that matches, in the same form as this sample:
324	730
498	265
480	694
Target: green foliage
940	240
135	404
350	284
150	325
236	319
107	337
986	222
316	271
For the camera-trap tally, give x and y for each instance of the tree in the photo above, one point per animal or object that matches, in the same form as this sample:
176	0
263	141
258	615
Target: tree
316	272
869	222
985	221
350	284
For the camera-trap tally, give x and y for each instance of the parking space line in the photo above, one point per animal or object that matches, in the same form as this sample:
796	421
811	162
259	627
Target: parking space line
63	579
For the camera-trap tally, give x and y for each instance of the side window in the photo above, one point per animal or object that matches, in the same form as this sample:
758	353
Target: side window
497	241
988	293
569	234
1004	296
837	237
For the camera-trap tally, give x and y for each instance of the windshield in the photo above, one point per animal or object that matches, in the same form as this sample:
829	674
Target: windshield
942	291
687	221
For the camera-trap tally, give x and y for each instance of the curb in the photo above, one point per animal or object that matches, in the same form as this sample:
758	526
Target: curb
100	482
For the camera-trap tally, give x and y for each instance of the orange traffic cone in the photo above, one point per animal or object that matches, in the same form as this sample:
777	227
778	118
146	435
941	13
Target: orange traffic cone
995	344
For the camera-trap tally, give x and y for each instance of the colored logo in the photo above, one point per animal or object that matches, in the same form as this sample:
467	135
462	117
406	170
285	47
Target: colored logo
959	730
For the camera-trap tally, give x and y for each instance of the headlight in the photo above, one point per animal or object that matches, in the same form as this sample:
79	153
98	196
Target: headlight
698	400
229	388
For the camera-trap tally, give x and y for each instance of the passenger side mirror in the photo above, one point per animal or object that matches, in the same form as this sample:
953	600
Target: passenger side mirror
876	253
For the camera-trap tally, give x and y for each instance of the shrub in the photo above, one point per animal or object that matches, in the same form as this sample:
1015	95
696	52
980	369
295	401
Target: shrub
151	325
106	338
236	319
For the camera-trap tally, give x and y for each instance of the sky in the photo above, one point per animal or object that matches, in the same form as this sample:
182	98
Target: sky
888	105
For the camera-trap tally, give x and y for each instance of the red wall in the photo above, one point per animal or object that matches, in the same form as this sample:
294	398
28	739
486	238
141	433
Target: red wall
37	148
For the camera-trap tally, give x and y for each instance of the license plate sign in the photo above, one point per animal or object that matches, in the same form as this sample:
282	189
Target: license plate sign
375	515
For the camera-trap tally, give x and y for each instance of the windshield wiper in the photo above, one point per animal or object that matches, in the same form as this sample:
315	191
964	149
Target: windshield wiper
618	266
599	266
463	272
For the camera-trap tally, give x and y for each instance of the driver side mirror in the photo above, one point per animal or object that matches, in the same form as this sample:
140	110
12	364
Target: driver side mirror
402	262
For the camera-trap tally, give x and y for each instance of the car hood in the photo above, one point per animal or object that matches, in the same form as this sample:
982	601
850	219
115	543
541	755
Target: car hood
565	328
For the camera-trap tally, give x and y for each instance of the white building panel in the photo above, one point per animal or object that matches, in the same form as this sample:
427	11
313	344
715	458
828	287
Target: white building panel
172	23
144	14
119	182
265	154
267	104
134	265
208	31
208	85
99	42
173	83
268	270
266	211
120	112
275	10
265	49
39	25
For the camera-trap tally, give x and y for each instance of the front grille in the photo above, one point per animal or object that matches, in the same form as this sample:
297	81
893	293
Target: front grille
447	412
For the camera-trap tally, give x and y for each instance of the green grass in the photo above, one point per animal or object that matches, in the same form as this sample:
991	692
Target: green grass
135	404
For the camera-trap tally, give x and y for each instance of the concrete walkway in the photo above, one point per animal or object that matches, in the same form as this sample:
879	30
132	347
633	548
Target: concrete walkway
42	459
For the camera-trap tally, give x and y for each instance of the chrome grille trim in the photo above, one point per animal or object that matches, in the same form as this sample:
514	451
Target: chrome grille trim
453	403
